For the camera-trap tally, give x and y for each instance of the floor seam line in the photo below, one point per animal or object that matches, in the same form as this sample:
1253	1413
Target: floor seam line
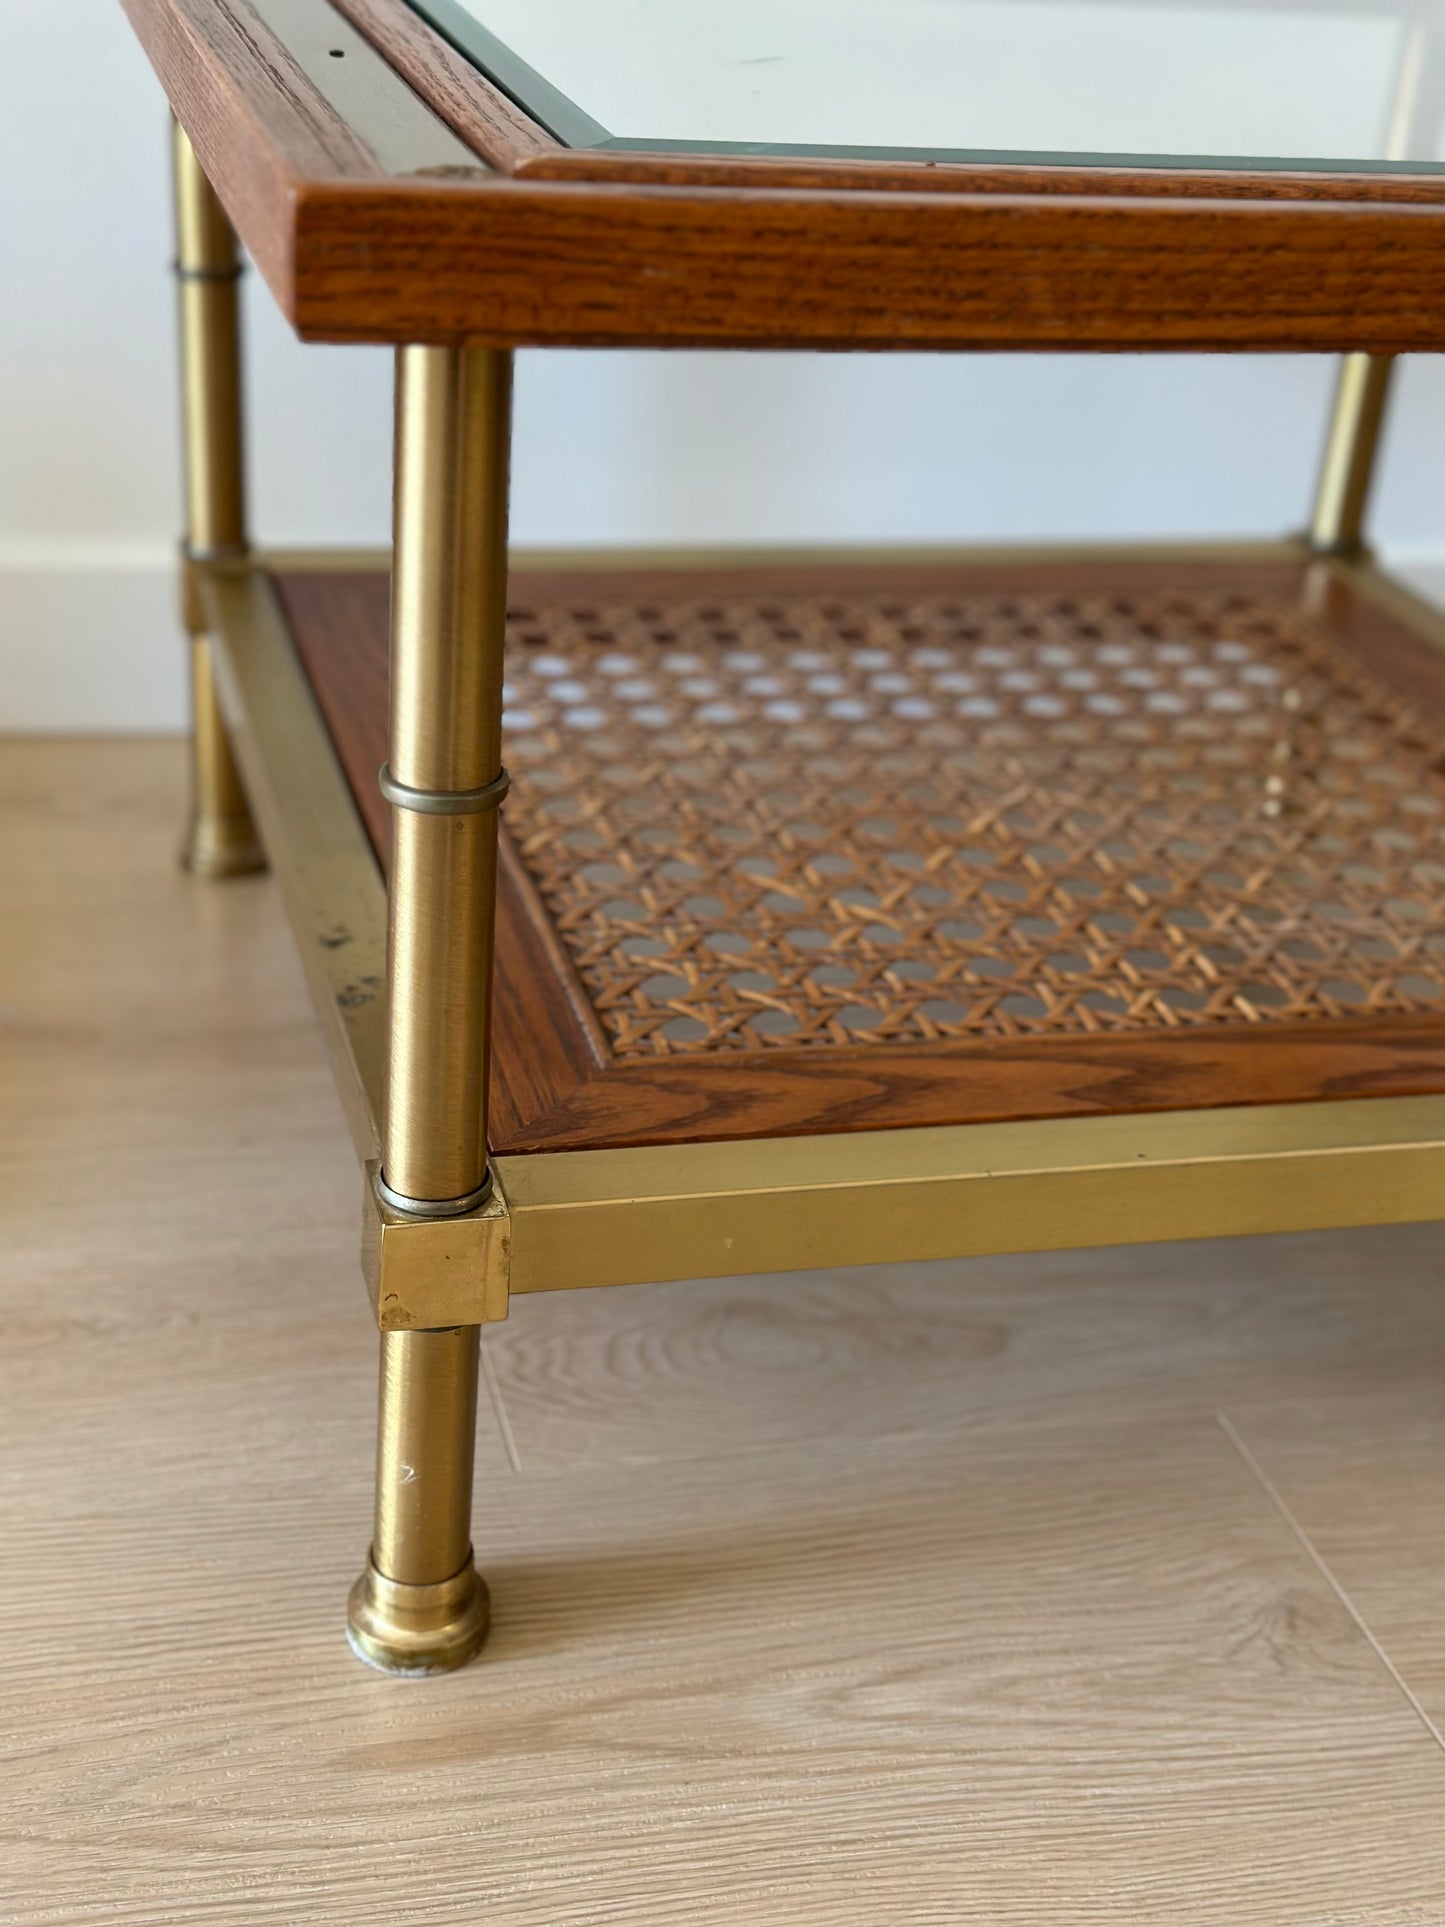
1326	1572
499	1410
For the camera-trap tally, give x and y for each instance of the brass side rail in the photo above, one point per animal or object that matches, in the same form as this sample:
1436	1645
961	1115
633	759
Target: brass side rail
331	884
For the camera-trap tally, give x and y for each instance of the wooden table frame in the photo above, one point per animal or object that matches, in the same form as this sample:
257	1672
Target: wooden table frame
441	220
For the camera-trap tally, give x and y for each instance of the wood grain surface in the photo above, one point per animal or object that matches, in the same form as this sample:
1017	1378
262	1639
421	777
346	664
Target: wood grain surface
559	263
787	1633
661	169
985	262
556	1085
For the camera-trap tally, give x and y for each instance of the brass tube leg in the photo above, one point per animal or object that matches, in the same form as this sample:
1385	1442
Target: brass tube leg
420	1605
1362	393
1348	469
221	839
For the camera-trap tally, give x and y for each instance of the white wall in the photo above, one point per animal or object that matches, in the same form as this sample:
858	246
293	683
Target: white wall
611	448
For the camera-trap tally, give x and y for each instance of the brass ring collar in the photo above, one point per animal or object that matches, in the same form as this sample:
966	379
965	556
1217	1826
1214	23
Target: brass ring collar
215	552
434	1207
444	802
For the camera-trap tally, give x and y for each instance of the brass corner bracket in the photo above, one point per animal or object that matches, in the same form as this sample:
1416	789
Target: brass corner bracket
427	1274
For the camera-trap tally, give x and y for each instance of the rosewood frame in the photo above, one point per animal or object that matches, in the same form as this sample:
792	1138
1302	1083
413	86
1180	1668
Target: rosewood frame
380	210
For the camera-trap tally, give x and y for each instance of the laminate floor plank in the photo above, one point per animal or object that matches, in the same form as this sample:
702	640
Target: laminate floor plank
1086	1673
1361	1473
938	1596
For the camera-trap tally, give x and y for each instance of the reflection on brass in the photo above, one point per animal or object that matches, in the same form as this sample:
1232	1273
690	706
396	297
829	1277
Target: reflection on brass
1363	392
221	839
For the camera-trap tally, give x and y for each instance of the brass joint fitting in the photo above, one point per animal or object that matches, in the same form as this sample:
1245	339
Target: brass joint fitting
1353	549
423	1274
1352	449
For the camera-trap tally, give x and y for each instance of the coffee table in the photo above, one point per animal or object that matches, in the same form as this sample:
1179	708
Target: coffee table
844	908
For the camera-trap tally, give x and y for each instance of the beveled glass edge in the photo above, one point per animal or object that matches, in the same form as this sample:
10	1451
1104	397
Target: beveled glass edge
575	128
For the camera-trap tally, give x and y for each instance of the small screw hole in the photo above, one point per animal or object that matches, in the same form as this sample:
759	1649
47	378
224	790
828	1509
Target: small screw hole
338	53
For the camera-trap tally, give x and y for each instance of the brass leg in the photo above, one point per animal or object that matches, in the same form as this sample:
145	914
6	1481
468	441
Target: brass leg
1363	391
1337	525
221	839
420	1606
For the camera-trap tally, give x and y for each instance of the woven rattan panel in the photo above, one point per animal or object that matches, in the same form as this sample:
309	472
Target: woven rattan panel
945	846
801	823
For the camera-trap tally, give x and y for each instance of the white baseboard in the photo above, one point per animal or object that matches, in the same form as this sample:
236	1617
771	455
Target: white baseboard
90	649
93	646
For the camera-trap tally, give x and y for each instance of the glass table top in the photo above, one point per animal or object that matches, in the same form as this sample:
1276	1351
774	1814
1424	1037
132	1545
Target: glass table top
1327	84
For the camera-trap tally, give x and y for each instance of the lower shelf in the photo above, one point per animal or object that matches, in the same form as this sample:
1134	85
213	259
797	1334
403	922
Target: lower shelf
795	851
1133	935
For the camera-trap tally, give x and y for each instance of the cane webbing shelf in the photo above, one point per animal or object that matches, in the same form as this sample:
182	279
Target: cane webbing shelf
797	850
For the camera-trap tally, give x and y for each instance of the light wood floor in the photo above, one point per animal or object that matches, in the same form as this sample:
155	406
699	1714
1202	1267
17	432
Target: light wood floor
1083	1589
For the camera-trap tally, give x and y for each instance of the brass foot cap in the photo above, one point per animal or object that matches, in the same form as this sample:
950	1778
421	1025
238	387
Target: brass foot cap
414	1630
222	846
